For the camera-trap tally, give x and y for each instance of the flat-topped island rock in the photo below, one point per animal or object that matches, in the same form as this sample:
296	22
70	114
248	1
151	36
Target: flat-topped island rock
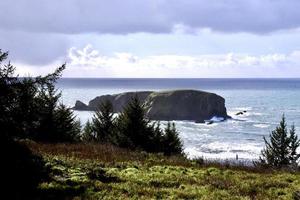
191	105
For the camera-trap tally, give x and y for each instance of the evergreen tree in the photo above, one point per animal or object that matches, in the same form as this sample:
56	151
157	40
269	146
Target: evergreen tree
134	129
27	114
294	144
171	141
67	128
157	138
23	170
88	134
8	98
47	101
103	122
281	150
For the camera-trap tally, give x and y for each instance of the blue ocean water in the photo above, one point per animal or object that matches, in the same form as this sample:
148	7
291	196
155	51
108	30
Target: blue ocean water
265	100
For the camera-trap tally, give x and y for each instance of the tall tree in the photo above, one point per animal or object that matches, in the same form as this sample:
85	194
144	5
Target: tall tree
8	97
23	170
135	130
171	141
294	144
67	127
281	150
88	134
103	122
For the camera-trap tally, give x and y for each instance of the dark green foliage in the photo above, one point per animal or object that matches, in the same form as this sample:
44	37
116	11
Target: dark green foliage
55	123
131	129
67	127
26	115
103	122
46	102
294	144
171	141
135	131
29	107
280	151
88	134
8	97
277	150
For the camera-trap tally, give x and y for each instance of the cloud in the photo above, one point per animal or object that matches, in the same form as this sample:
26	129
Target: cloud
39	32
33	48
154	16
89	62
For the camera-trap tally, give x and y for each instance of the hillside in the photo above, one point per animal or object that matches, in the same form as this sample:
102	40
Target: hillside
87	171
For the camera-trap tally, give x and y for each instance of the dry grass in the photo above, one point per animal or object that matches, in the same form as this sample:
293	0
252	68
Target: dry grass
109	154
105	153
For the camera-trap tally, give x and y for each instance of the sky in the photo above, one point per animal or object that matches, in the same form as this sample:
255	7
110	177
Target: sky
153	38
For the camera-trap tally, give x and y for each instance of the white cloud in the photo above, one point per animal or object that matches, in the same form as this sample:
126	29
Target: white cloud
89	62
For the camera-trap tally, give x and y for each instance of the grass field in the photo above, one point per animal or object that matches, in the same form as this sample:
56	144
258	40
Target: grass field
87	171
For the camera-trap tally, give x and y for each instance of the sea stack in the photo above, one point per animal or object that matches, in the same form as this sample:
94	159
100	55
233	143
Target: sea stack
190	105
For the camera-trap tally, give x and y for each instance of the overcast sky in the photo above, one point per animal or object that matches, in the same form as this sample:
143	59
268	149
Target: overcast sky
153	38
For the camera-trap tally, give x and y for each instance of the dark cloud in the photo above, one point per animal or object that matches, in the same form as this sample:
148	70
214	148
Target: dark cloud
37	31
129	16
33	48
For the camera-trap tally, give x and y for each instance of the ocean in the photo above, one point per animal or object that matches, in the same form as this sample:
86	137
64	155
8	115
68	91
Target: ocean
265	101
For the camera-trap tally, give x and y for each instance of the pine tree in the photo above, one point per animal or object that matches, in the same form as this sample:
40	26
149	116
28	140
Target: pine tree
294	144
22	170
67	128
171	141
88	134
134	129
103	122
281	150
276	152
47	101
8	98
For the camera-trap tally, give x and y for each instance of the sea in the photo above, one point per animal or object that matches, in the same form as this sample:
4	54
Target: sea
264	100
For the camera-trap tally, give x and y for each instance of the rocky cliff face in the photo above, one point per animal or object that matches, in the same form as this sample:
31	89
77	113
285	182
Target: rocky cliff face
168	105
118	100
185	105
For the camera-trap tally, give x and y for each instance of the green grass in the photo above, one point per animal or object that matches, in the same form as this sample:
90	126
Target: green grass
154	177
